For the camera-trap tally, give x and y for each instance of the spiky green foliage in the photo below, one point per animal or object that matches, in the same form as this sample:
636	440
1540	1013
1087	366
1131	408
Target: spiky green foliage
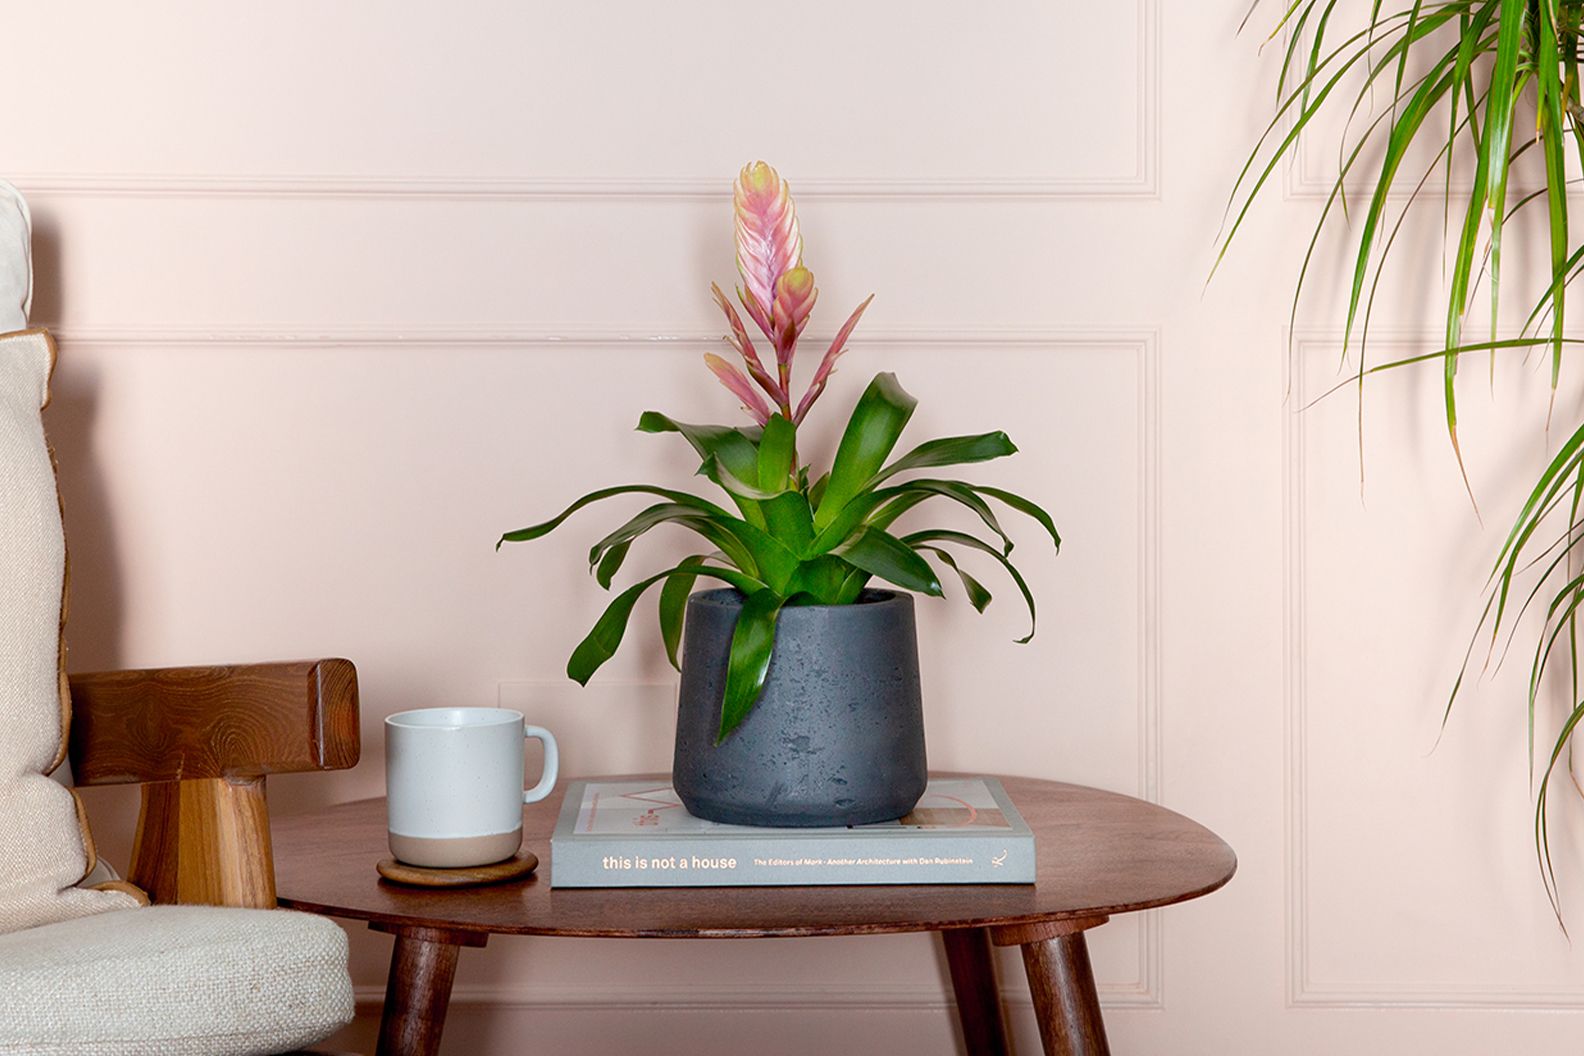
1479	83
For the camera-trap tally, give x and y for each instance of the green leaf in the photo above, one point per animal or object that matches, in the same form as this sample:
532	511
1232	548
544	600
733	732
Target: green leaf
1552	128
731	446
886	515
882	412
816	491
820	579
881	507
777	452
774	560
1401	135
733	484
847	522
740	541
753	641
964	539
882	554
612	562
1499	109
966	495
1362	45
734	449
852	587
680	497
673	604
978	596
789	520
1024	506
661	513
950	451
1542	837
602	642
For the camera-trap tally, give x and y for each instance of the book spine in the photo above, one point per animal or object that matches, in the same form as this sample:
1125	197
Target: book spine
583	861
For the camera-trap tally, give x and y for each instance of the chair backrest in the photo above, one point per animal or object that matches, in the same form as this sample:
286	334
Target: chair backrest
16	260
45	849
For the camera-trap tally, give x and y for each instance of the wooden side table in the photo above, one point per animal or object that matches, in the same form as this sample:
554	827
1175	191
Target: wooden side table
1099	854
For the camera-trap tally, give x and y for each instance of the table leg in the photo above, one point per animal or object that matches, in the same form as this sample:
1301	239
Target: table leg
418	991
1056	958
978	998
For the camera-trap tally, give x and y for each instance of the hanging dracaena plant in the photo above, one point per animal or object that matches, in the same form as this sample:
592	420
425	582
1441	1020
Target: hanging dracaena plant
1480	84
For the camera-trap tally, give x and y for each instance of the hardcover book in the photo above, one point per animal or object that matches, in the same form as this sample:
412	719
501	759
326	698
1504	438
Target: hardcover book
638	834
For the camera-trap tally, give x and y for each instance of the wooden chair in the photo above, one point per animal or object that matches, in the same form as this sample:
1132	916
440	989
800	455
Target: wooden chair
201	741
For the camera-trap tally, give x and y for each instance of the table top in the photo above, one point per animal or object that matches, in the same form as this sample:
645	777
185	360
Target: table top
1099	853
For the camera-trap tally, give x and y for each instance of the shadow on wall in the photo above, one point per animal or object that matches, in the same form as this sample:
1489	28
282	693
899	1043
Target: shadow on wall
95	615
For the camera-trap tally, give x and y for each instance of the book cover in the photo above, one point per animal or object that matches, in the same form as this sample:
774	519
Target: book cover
638	834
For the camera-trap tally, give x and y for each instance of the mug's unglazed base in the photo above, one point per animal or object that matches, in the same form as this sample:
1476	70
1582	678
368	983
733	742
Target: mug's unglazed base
455	852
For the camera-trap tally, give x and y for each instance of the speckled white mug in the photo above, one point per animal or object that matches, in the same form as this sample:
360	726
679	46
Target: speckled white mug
454	784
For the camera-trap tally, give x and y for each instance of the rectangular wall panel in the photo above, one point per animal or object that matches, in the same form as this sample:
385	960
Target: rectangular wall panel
1399	827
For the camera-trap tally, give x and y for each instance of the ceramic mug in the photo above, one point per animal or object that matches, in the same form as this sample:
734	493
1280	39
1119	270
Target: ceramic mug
454	784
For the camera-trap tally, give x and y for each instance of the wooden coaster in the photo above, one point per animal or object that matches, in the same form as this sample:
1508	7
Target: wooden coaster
513	868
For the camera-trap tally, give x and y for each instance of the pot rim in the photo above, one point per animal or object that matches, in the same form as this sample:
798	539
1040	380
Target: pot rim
873	598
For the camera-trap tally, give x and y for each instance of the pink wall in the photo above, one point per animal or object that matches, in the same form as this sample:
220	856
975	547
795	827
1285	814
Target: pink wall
345	291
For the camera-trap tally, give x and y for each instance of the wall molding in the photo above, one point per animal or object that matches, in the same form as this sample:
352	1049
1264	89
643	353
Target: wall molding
1303	991
1142	183
425	336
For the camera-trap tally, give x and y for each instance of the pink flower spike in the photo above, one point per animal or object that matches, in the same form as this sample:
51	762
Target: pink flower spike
744	345
827	365
760	316
795	294
740	386
768	242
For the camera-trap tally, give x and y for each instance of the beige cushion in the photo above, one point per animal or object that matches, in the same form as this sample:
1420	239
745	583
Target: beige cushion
174	981
44	847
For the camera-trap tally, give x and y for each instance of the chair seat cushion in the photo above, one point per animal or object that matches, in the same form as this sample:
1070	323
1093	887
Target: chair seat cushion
174	981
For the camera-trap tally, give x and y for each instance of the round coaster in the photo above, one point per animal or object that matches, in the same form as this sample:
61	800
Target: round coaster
513	868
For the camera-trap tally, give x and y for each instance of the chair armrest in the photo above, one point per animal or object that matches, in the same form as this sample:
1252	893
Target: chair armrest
202	740
239	722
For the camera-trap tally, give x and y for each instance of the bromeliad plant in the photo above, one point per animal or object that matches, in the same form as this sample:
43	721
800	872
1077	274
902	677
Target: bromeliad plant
792	538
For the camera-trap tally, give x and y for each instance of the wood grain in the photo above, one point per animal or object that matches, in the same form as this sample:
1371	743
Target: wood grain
202	739
1039	931
1065	1002
205	843
238	722
1099	853
516	867
972	965
418	989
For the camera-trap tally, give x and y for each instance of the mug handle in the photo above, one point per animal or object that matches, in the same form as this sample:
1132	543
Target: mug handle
552	763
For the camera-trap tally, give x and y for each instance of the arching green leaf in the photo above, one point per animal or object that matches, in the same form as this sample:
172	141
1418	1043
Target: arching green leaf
882	412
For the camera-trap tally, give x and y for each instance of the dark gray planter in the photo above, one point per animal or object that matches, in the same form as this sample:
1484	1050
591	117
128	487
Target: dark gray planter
837	738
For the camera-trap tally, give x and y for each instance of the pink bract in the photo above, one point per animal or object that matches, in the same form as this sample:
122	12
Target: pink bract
778	293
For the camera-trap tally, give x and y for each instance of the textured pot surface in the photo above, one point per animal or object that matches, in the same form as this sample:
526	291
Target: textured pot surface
837	737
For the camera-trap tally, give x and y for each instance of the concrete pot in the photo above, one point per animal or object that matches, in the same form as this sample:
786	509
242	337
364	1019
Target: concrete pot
837	737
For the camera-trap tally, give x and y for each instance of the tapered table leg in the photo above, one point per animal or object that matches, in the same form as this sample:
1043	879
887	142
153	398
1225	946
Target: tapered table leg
978	998
1065	1000
1056	959
418	992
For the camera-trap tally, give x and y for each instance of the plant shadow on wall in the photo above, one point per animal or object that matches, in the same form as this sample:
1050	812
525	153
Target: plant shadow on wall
1487	89
762	742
